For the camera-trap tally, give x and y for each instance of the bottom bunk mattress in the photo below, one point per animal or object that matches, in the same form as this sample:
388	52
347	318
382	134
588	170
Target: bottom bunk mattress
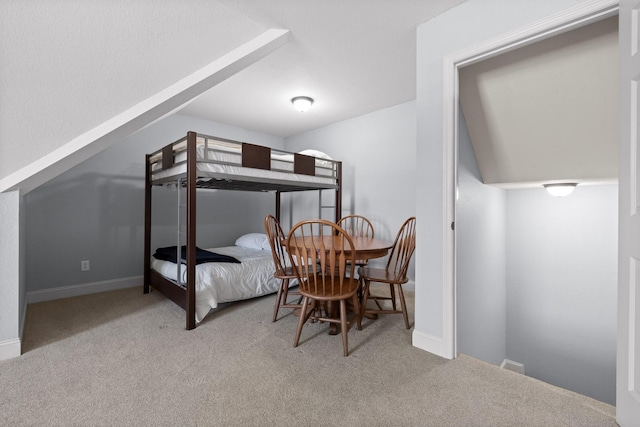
220	282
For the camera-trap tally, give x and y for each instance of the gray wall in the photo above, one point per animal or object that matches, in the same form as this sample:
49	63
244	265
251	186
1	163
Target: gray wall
378	152
95	211
562	287
537	279
22	265
481	233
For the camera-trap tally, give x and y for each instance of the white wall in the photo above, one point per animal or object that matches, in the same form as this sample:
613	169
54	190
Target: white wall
95	211
481	233
11	273
468	24
562	287
378	155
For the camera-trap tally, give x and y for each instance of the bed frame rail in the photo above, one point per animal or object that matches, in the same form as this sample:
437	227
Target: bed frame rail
244	155
252	156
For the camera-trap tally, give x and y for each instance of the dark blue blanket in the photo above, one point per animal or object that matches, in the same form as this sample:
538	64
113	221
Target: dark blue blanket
170	254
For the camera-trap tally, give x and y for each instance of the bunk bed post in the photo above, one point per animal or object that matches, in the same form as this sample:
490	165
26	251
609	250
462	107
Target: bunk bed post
278	206
191	231
147	222
338	192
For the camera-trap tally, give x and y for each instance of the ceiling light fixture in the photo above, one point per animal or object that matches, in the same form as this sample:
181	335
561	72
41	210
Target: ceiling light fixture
302	103
560	189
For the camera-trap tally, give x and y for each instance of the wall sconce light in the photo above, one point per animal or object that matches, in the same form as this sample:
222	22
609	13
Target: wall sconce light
302	103
561	189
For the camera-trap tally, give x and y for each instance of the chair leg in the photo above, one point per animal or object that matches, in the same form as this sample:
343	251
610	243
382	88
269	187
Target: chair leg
376	300
303	318
365	297
343	326
392	291
283	283
356	308
285	292
404	306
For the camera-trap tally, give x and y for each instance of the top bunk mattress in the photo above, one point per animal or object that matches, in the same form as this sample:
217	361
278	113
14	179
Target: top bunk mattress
220	163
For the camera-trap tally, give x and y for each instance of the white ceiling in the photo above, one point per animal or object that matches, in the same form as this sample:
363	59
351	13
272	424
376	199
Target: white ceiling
543	113
547	112
352	57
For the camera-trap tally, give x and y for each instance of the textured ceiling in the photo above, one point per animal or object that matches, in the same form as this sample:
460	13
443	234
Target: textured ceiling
547	112
353	57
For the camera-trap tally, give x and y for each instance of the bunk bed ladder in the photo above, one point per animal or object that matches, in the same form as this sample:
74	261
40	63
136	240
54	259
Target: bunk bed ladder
180	235
321	206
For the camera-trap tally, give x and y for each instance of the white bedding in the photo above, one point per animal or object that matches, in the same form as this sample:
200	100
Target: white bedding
223	158
225	282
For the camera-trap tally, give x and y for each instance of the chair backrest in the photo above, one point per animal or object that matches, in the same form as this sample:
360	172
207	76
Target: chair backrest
402	250
323	256
356	226
276	236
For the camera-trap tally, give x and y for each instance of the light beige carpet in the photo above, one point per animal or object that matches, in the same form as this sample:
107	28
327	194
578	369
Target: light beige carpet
124	358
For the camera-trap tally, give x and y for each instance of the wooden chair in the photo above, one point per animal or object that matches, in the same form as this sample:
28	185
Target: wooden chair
394	274
324	258
357	226
280	259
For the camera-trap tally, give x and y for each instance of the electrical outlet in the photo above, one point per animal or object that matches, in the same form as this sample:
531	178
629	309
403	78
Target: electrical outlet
84	265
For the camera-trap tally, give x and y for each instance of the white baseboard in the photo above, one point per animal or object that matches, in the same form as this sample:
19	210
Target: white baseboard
429	343
83	289
10	349
23	318
13	348
512	366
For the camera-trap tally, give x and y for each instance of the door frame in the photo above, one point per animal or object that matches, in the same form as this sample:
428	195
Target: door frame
575	17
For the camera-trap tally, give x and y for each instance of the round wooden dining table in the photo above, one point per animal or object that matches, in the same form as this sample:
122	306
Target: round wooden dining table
365	247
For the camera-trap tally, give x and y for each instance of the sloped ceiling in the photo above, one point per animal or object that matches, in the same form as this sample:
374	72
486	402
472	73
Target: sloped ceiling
353	57
547	112
77	65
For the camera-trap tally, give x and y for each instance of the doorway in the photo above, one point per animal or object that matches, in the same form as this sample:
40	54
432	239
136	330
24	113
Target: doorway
499	202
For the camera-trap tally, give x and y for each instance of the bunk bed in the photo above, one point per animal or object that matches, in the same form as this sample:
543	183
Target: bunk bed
199	161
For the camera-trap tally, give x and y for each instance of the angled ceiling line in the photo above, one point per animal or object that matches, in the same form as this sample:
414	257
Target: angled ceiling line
143	114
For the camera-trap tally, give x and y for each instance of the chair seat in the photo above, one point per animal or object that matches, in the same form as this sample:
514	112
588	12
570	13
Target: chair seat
381	275
331	291
287	273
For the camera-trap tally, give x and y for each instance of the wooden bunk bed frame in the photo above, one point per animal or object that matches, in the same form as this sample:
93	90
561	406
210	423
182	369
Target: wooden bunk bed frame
192	177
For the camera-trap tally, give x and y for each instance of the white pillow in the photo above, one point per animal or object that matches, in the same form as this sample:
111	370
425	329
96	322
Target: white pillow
316	153
253	241
266	245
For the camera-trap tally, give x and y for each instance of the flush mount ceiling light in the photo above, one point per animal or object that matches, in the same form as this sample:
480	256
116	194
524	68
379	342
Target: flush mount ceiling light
560	189
302	103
